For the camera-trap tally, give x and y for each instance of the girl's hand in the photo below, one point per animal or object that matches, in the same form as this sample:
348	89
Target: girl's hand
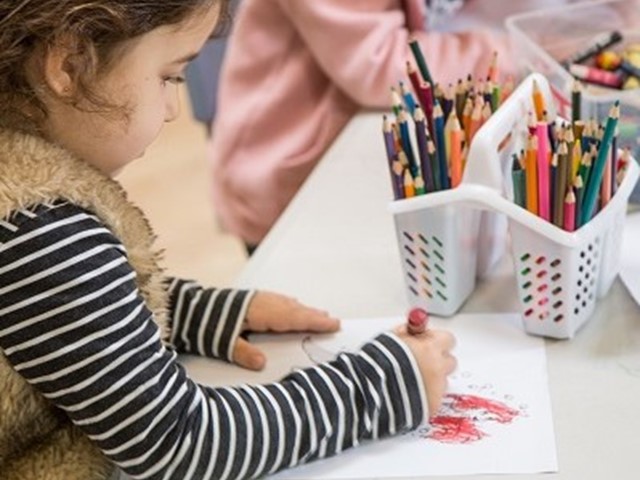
272	312
432	350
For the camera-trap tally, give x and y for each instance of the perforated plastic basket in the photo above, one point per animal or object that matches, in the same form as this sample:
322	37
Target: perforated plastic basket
449	238
438	247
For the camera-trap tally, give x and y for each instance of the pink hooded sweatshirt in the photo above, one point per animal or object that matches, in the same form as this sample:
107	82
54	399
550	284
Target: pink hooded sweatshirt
295	72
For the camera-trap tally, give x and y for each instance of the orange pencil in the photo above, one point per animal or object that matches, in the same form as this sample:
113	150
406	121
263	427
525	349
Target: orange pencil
455	157
448	126
409	188
531	174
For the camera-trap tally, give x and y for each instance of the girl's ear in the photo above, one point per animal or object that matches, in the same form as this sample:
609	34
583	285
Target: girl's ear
59	67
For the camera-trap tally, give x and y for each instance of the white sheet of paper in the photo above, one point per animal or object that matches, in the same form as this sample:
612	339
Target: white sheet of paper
500	423
630	260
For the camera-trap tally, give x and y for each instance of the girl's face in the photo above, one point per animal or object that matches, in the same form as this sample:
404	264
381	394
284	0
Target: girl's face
145	80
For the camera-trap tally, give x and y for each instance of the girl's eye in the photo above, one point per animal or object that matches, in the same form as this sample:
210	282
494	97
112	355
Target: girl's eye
176	80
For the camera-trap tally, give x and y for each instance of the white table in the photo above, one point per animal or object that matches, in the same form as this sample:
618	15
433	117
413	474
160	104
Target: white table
335	248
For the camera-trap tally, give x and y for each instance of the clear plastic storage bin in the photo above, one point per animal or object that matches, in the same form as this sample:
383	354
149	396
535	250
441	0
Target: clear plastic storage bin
544	38
449	238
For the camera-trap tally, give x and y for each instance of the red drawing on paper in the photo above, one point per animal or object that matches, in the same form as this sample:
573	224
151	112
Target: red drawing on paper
468	417
462	416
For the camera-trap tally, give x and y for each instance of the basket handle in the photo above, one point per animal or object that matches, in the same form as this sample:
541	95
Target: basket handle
483	165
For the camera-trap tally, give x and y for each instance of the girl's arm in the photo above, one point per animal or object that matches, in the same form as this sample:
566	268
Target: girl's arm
366	49
74	325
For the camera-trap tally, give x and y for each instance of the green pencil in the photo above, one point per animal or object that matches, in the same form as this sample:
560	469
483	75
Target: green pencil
422	63
519	186
595	179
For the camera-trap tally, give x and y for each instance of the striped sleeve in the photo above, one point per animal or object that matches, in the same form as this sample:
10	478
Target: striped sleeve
73	324
205	321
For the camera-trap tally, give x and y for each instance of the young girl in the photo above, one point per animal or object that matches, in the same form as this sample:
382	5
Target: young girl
90	328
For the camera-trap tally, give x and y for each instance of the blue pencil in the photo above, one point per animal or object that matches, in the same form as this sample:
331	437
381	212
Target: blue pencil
438	126
405	138
421	137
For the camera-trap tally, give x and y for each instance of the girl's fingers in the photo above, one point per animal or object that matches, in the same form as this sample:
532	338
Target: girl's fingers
312	320
248	356
271	312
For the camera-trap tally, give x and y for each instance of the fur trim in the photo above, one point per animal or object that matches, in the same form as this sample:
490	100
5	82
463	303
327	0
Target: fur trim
37	441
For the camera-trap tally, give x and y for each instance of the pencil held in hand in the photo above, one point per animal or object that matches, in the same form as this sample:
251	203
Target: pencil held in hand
417	320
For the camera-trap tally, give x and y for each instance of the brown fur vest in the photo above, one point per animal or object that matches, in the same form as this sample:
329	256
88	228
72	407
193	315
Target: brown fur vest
37	440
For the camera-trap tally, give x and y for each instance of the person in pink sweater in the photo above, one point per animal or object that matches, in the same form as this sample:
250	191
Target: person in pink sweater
296	72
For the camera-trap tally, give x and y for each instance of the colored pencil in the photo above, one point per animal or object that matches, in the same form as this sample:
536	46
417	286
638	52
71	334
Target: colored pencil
578	189
519	185
414	77
391	151
476	118
409	188
418	185
438	125
592	188
397	175
420	61
538	101
614	162
562	184
544	194
407	144
576	102
421	138
435	164
531	169
407	96
570	211
456	152
396	101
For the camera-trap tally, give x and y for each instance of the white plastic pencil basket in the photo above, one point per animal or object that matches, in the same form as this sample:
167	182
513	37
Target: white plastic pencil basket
449	238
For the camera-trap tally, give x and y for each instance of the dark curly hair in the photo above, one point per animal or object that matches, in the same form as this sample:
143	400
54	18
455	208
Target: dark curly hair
100	28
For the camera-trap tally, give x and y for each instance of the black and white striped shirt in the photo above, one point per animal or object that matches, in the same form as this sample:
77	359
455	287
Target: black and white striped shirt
73	324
